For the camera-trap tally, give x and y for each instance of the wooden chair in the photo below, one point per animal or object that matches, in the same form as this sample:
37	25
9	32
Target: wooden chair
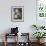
27	43
8	34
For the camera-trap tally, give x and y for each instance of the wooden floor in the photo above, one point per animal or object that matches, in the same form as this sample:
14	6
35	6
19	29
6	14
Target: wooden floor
13	44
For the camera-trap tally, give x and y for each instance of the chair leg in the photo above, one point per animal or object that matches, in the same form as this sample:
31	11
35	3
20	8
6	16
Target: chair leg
5	43
5	40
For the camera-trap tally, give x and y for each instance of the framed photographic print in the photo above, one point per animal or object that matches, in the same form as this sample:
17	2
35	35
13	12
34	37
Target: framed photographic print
41	12
17	13
41	8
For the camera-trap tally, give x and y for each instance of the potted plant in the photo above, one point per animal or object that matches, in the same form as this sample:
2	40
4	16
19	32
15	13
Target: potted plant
39	35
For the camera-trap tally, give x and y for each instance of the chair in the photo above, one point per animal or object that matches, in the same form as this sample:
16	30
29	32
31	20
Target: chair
14	32
26	37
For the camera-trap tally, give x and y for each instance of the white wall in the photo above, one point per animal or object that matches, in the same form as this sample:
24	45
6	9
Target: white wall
29	15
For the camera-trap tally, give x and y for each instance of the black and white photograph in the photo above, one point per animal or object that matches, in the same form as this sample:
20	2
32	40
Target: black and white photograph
17	13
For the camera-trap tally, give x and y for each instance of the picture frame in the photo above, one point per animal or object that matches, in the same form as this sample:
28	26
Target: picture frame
40	12
17	13
41	9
